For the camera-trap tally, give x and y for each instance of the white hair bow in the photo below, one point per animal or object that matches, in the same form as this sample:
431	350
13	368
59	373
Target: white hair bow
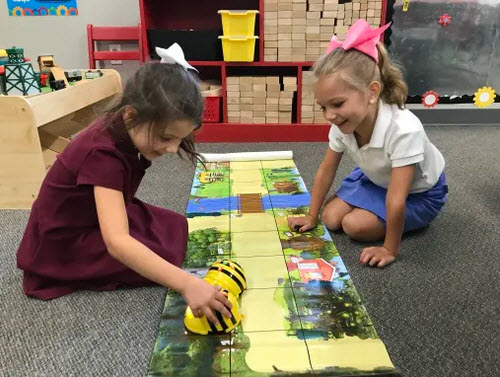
173	54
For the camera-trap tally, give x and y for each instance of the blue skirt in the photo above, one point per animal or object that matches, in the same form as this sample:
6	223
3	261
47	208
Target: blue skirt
421	208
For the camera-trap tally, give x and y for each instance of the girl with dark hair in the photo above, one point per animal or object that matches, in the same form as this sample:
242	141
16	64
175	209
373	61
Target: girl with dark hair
87	230
399	184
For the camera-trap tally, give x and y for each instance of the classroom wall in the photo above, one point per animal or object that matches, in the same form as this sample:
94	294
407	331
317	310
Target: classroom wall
66	37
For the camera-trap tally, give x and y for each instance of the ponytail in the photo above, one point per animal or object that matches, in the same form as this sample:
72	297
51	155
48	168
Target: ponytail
394	89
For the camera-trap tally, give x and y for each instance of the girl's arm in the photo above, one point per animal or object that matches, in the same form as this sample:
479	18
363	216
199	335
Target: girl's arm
399	187
113	222
322	183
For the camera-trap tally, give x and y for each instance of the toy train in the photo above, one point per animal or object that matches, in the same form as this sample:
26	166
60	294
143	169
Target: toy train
230	276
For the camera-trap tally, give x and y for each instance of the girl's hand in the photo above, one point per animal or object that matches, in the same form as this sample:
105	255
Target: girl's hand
302	223
204	298
376	256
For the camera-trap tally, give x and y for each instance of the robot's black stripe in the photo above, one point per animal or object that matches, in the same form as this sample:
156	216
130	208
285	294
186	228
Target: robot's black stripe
221	320
233	277
233	320
237	267
212	326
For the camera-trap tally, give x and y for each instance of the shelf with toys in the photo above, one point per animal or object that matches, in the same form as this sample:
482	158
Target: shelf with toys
35	127
291	35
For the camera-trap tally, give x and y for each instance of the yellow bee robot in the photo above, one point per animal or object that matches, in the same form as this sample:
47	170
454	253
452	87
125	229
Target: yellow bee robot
230	276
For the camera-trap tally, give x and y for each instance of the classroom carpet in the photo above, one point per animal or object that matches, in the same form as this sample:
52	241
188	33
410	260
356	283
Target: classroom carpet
436	309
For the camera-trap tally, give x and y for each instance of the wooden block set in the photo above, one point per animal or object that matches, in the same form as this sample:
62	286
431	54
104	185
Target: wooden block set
260	99
300	30
310	110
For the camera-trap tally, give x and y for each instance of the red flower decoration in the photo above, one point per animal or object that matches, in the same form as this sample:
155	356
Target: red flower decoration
430	99
444	20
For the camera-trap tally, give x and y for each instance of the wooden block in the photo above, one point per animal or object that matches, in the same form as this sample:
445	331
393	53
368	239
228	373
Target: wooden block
272	80
315	1
362	14
284	7
270	22
284	21
233	119
246	114
299	22
272	120
259	114
270	51
301	7
311	57
285	14
378	5
299	1
273	88
313	15
371	13
286	97
271	43
285	108
348	14
232	80
246	94
327	21
246	101
233	107
259	100
332	14
340	22
233	94
259	87
271	58
287	43
258	79
289	88
313	37
233	87
233	101
298	14
348	6
315	7
268	15
259	119
364	6
289	80
272	107
271	7
258	94
313	30
246	120
312	44
270	30
330	7
298	44
272	101
258	108
356	6
284	36
245	80
285	100
273	94
284	58
246	87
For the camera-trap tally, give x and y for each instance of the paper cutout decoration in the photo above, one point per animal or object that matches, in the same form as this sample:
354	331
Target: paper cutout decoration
444	20
406	4
484	96
430	99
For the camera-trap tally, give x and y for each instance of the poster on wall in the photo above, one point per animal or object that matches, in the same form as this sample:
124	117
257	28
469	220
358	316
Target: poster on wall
19	8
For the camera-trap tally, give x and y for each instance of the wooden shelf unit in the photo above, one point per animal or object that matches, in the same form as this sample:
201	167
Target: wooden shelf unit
183	15
34	129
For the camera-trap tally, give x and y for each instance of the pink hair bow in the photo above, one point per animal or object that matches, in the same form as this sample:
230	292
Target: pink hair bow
360	37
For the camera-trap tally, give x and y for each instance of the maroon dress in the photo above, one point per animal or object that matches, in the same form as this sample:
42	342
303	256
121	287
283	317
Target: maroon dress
62	250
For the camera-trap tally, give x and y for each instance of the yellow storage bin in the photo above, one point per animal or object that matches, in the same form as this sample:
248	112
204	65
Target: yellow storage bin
238	49
240	23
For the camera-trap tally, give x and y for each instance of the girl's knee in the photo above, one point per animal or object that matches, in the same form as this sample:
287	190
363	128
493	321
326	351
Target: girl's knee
332	222
352	227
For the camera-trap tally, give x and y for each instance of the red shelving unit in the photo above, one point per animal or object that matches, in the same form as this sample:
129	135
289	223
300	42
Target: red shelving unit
202	15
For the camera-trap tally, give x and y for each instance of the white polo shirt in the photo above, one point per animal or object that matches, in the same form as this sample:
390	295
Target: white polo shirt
398	139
